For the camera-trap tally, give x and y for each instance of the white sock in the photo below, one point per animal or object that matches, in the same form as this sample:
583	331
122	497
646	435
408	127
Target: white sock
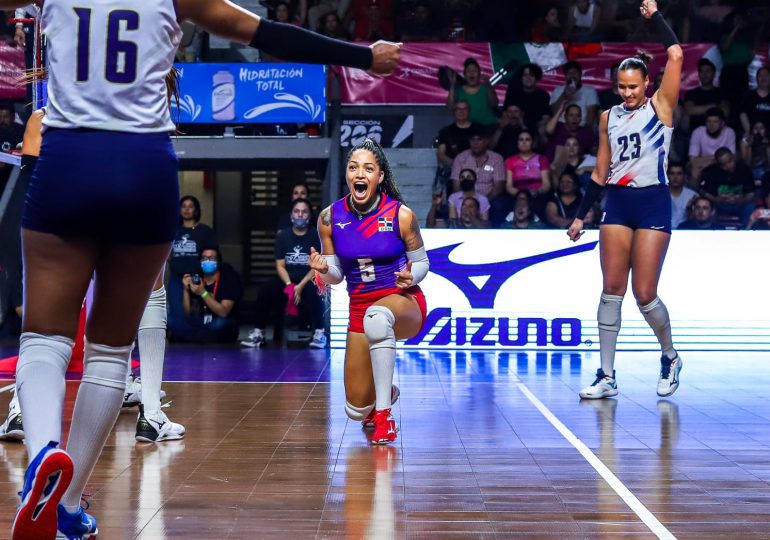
40	387
383	365
96	409
608	318
129	372
152	347
656	315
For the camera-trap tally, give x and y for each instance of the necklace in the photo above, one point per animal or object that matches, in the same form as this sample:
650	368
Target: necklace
362	214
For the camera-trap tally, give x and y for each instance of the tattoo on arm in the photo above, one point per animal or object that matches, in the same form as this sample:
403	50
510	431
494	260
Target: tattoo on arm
326	217
413	239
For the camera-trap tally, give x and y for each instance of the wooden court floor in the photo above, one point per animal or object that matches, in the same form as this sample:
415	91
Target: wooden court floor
492	445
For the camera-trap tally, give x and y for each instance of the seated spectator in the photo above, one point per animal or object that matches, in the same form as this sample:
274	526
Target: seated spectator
479	94
559	131
453	139
548	29
470	218
569	159
681	195
756	103
523	217
283	13
456	14
331	26
210	300
11	134
438	215
293	281
11	302
533	101
487	164
705	140
760	218
702	217
318	18
560	211
730	186
583	20
421	25
755	151
371	19
505	139
611	96
185	256
574	91
467	189
699	101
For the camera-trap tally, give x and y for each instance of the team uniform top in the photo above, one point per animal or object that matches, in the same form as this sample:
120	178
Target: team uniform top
370	248
108	63
639	143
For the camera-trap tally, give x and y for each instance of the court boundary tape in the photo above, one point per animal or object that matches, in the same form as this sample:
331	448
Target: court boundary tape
647	517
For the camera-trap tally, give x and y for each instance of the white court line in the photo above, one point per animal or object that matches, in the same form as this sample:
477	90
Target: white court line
657	528
6	388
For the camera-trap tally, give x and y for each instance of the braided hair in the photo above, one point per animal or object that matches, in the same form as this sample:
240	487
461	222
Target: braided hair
388	185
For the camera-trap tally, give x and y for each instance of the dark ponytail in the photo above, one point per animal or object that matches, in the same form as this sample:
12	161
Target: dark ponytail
388	184
640	62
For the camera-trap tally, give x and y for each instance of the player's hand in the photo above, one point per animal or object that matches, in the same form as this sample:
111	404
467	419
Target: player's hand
385	56
648	8
20	37
317	262
404	278
575	230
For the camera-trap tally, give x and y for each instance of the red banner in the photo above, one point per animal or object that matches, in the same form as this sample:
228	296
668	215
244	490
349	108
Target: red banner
415	81
11	72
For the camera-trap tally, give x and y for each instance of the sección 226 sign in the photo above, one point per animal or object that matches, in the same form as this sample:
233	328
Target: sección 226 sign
536	289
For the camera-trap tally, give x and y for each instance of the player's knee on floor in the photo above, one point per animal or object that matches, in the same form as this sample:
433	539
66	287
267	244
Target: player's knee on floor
105	365
608	316
378	327
154	315
357	413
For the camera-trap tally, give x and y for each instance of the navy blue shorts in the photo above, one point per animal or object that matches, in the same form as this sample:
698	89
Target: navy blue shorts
638	208
105	185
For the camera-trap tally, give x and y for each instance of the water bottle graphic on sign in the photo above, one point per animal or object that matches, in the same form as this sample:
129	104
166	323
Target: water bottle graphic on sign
223	96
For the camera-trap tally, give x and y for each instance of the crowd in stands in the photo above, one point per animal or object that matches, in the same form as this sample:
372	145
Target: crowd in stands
523	165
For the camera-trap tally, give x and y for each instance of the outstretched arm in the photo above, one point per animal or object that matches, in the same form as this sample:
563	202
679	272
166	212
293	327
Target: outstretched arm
667	96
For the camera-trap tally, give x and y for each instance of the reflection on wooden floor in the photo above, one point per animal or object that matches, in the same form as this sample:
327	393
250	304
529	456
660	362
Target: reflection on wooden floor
474	459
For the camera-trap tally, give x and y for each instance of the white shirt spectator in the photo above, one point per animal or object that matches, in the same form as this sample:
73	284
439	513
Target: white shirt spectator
584	97
679	206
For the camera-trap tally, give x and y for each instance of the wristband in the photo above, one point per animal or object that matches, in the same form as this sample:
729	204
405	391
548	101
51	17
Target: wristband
205	294
287	283
593	191
667	36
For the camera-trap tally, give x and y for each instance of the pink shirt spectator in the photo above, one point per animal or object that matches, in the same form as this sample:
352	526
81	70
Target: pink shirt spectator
527	173
456	199
702	144
489	169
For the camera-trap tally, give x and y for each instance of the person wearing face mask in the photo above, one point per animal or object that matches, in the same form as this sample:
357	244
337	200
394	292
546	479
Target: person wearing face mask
299	190
292	289
210	300
467	189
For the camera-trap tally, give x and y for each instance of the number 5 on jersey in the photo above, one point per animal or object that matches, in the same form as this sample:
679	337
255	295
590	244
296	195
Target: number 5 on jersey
121	57
366	266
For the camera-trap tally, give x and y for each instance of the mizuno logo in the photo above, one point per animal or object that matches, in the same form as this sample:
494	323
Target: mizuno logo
343	225
658	228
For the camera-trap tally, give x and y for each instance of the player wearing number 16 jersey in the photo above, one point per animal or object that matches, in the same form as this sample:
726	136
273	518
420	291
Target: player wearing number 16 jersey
373	240
635	230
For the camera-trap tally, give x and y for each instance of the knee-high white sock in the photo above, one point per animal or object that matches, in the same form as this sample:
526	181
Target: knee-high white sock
40	387
656	315
608	317
152	347
96	409
378	327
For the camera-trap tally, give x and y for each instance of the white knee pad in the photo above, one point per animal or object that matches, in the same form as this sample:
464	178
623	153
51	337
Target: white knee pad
357	413
378	327
608	315
105	365
37	348
154	315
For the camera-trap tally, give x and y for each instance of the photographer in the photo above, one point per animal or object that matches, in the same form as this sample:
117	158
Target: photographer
209	300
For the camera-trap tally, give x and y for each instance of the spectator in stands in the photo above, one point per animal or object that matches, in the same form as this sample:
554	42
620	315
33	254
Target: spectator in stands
298	191
559	131
756	103
583	20
331	26
737	50
420	25
456	15
705	140
548	29
699	101
534	101
185	256
702	216
318	16
760	218
569	159
283	13
294	279
470	216
487	164
467	189
211	297
11	135
681	195
505	139
561	209
11	302
454	138
755	151
371	19
619	19
574	91
730	186
610	97
479	94
438	215
523	216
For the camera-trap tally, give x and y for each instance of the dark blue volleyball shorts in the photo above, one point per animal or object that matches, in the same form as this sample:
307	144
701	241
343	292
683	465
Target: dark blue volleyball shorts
638	208
111	186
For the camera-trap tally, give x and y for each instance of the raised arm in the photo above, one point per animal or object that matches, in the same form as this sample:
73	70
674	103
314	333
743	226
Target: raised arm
667	96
